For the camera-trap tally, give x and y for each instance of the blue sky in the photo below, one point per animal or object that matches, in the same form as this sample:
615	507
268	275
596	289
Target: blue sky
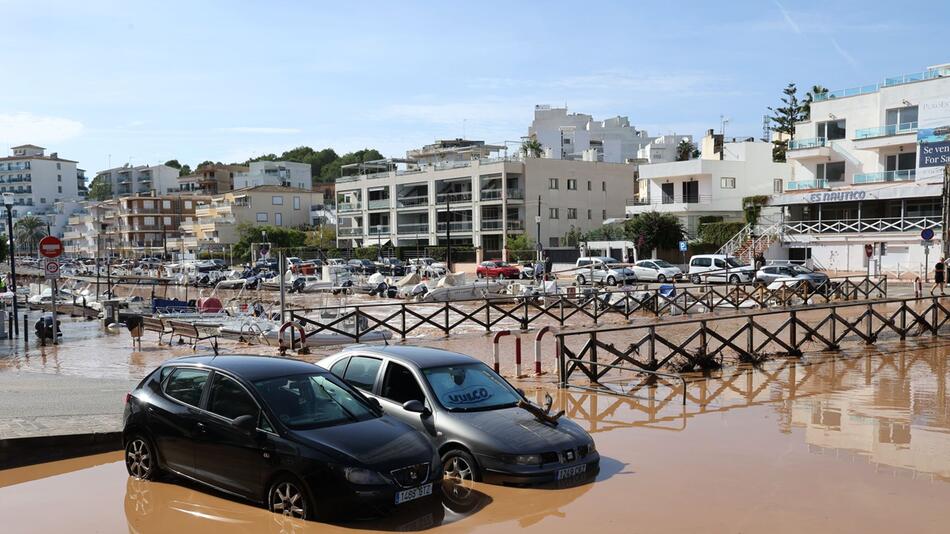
224	80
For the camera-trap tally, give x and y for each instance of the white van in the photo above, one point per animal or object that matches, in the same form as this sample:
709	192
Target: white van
719	268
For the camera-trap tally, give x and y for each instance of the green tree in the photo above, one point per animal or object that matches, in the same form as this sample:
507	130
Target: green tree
331	171
809	98
29	230
323	237
606	232
100	189
783	120
572	238
520	247
173	163
653	230
185	170
278	237
3	247
531	148
685	150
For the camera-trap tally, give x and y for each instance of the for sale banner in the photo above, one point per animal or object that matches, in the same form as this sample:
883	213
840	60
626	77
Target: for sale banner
933	138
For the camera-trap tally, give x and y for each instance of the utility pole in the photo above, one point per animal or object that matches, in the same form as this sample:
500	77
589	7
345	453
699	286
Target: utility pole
538	221
945	214
448	233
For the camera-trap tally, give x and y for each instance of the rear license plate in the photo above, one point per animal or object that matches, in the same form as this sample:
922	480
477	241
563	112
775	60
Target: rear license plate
413	494
569	472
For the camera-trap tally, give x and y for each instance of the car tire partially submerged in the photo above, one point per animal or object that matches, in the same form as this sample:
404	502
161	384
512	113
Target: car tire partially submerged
460	466
288	497
140	459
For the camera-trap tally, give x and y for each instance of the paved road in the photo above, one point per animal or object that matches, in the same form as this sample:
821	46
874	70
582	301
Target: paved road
80	404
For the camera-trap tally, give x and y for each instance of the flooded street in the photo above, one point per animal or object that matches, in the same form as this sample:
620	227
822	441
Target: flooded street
856	442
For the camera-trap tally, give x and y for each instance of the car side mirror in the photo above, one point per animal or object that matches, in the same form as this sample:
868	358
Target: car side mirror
416	407
247	424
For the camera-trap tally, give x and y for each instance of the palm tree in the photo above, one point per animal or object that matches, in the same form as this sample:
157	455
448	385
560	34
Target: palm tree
809	98
684	150
531	147
30	230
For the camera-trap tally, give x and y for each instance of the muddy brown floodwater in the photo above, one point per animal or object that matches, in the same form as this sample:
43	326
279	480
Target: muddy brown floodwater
856	442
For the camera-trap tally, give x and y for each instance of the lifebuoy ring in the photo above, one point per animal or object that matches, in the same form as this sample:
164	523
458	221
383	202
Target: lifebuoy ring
282	346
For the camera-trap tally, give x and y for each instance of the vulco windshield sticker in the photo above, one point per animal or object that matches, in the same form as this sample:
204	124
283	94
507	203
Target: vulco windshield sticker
469	395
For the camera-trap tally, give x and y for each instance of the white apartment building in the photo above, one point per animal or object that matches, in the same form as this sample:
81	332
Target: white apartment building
713	185
128	180
279	173
662	149
37	181
478	202
868	169
577	136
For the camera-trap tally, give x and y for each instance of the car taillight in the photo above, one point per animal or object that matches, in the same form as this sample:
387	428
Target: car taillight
128	397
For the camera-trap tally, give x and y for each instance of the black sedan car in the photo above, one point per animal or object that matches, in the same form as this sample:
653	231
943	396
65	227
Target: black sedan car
483	427
277	431
357	266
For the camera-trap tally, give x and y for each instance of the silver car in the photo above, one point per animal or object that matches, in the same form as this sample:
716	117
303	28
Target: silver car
483	428
603	270
771	273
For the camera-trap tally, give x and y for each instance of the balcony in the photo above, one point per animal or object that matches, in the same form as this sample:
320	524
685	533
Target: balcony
891	135
382	204
348	206
806	185
492	224
410	202
351	231
379	229
515	194
884	131
413	228
908	175
464	196
838	226
457	226
888	82
802	144
515	226
491	194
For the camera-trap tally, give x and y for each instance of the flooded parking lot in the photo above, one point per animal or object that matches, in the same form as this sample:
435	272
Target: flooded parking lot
856	442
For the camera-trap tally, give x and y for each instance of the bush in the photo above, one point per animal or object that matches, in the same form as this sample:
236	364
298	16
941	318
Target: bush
718	233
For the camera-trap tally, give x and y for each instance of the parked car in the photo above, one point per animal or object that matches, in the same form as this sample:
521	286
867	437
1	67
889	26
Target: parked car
357	266
428	266
336	261
277	431
603	270
657	270
481	425
771	273
719	268
497	269
527	269
391	267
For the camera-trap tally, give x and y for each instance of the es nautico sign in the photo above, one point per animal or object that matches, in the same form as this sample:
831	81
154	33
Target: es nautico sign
836	196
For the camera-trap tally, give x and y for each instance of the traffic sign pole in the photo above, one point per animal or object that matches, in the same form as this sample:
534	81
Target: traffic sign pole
51	247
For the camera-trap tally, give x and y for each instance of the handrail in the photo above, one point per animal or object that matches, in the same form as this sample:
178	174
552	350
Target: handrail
626	368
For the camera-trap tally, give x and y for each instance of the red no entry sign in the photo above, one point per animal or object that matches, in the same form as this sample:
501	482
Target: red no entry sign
51	247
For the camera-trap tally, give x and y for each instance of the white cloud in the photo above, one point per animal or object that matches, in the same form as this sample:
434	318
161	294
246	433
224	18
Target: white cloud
263	130
788	18
25	127
844	53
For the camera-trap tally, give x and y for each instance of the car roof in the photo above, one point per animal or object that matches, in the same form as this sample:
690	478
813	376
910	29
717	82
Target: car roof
421	357
251	367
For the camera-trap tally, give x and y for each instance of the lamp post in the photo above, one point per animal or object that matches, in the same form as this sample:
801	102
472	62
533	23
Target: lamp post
8	202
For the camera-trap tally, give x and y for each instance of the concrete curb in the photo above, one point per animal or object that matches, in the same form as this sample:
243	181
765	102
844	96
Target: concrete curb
18	452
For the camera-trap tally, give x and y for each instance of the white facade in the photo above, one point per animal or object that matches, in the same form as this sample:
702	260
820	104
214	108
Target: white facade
662	149
709	186
128	180
858	179
38	181
281	173
578	136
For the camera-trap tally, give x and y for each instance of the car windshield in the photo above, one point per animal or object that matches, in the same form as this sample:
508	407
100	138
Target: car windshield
501	264
470	387
610	260
732	262
313	401
798	269
663	264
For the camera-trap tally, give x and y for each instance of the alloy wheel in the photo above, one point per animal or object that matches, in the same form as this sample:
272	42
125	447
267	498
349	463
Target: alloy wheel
458	469
138	458
287	499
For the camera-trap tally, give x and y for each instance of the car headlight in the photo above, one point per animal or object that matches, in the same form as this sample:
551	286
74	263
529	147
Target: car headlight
524	459
363	477
591	447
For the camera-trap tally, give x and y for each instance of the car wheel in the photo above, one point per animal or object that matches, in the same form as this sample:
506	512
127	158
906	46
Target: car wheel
479	275
611	281
140	458
661	278
288	497
696	279
581	280
734	279
460	466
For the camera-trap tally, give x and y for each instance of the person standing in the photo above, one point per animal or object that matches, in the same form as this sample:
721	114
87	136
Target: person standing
940	276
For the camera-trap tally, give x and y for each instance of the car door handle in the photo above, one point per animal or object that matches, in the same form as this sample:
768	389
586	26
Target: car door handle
201	426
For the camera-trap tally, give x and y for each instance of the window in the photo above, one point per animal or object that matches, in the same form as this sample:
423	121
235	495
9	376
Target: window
167	220
777	185
296	203
567	140
400	386
589	185
571	213
603	214
229	400
148	204
362	372
901	162
831	130
900	119
552	183
339	367
702	262
60	189
833	172
42	199
58	166
277	200
588	214
186	385
690	192
667	193
167	204
571	184
187	204
59	177
149	221
603	186
727	182
552	214
719	264
554	242
261	216
278	218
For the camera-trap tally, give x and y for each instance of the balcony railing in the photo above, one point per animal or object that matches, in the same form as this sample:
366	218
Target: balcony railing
803	185
464	196
515	194
907	175
890	224
888	82
515	225
413	228
801	144
457	226
378	204
493	224
408	202
379	229
348	206
491	194
351	231
885	131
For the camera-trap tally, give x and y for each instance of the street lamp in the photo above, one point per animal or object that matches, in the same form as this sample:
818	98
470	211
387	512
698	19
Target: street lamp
8	202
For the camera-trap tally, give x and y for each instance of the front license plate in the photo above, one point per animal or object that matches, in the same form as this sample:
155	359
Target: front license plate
414	493
569	472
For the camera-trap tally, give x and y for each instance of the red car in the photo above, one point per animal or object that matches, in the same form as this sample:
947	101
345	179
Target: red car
497	269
